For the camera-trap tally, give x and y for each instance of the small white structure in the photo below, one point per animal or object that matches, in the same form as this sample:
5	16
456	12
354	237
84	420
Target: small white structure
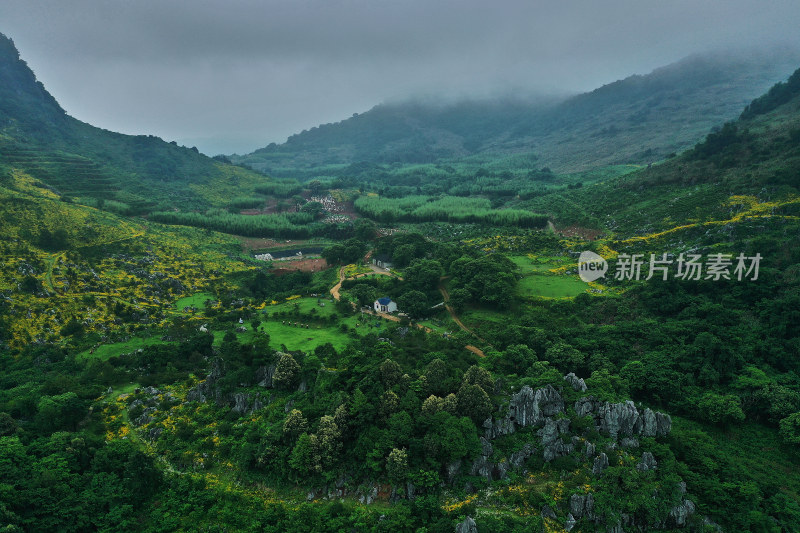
384	305
204	328
383	261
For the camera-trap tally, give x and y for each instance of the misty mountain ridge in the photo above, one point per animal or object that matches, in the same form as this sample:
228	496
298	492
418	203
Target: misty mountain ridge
639	119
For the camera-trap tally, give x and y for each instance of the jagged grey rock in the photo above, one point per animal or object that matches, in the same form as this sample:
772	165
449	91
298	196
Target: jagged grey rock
529	407
486	447
518	458
369	496
587	405
410	491
142	420
547	512
570	523
467	526
195	395
257	403
241	401
648	462
577	383
482	467
629	442
600	464
264	376
581	505
655	424
498	427
620	419
552	444
501	469
681	512
452	470
589	449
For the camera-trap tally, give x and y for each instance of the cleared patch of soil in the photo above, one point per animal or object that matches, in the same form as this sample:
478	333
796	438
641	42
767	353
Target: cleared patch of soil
305	265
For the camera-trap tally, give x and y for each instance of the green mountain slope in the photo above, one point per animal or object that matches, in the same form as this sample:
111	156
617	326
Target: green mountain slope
635	120
132	174
757	156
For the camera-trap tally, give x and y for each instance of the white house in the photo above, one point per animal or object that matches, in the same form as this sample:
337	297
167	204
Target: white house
385	305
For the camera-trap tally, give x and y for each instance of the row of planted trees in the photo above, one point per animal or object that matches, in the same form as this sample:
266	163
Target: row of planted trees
292	225
445	209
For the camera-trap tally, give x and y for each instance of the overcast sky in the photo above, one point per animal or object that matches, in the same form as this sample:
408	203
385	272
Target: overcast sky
235	75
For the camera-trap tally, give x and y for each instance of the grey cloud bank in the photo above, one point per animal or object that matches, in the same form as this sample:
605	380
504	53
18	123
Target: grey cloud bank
234	76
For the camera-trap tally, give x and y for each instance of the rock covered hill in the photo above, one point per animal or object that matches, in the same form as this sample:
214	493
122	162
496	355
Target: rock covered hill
635	120
596	443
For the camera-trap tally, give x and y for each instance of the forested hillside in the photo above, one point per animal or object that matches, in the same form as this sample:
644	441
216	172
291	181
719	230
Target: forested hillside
241	375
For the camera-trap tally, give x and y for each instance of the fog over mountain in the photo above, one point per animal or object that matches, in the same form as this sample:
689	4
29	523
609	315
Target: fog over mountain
236	76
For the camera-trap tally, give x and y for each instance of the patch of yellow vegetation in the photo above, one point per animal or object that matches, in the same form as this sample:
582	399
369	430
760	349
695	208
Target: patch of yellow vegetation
26	183
753	208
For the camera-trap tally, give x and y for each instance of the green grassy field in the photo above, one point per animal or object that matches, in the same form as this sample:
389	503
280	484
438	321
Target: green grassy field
106	351
440	323
538	282
282	331
198	300
551	286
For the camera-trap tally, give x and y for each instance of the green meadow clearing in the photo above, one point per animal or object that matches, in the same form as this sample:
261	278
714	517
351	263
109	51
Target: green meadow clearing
198	300
539	282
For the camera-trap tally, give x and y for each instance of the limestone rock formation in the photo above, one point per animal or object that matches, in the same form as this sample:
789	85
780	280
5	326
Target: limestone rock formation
467	526
577	383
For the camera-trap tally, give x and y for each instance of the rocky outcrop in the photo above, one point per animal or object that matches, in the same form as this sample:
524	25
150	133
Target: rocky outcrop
452	470
577	383
264	376
544	410
624	419
589	449
467	526
552	443
679	515
620	418
655	424
526	408
629	442
570	523
600	464
581	505
498	427
482	466
369	496
647	462
587	406
241	403
547	512
530	408
518	458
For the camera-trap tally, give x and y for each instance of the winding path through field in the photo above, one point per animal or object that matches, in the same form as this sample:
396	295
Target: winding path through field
454	316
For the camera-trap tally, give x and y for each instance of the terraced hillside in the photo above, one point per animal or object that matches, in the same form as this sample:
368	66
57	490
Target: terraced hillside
133	173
